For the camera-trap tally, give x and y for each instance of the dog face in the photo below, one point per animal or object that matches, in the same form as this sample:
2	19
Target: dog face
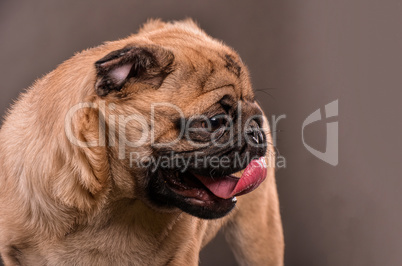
180	120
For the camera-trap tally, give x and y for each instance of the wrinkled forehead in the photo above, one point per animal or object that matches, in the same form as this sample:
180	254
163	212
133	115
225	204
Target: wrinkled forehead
207	64
213	69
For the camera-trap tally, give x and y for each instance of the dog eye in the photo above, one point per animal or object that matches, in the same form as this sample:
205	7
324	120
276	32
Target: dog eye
202	128
215	122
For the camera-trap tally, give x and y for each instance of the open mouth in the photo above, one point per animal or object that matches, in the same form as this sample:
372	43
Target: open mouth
205	190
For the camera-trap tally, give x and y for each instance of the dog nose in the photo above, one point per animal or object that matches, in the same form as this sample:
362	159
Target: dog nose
254	132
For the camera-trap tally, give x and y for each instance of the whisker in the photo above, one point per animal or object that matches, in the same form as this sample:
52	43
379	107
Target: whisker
264	90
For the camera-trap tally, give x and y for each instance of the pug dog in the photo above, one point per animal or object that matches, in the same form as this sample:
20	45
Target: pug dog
137	152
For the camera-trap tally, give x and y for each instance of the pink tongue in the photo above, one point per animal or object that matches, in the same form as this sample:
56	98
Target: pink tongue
229	186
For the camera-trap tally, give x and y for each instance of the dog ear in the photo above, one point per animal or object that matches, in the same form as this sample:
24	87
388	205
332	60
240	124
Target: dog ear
148	64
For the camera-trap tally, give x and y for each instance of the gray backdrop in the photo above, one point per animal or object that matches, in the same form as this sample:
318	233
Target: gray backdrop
304	54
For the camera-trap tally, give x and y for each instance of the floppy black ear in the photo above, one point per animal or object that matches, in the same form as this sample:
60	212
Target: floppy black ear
148	64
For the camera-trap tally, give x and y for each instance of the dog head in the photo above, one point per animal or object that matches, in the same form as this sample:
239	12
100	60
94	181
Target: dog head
179	120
